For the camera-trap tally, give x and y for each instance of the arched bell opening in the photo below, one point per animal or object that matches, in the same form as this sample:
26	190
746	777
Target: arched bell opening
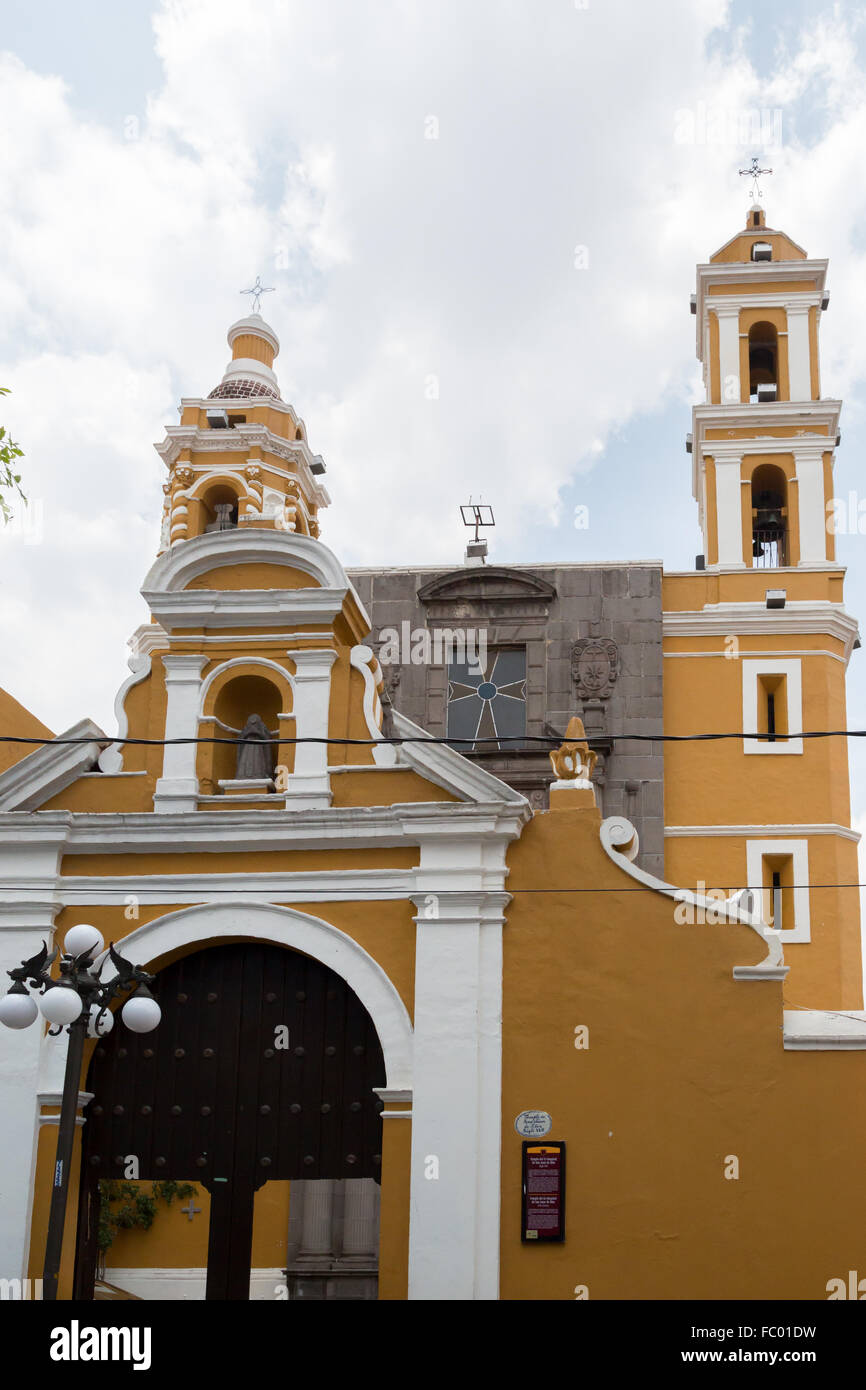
763	363
219	509
770	538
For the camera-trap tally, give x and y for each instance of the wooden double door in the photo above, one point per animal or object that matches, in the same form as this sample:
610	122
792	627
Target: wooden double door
262	1068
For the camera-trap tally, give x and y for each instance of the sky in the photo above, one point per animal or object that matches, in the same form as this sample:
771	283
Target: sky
481	222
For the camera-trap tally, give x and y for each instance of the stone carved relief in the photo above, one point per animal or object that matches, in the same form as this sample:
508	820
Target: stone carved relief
594	667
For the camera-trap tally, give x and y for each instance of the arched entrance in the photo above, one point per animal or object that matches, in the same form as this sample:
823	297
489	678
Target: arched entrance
262	1068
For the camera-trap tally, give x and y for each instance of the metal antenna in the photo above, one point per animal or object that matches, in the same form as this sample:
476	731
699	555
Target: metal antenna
476	514
257	291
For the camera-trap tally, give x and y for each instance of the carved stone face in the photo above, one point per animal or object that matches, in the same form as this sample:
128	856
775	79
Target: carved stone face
594	666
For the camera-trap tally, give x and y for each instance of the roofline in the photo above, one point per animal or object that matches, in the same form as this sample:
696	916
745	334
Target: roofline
751	231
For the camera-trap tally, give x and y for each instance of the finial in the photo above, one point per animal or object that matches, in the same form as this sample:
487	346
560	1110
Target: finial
257	291
574	760
754	173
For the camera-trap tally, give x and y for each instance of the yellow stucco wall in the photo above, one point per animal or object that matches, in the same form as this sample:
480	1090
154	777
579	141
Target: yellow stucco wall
685	1067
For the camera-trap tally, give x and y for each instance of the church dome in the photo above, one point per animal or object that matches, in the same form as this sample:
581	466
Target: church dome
242	388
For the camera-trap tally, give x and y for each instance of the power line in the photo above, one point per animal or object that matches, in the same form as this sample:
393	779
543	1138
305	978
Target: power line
547	740
68	886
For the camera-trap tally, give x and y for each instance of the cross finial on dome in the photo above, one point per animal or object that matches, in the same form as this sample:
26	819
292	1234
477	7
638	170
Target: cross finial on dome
754	173
257	291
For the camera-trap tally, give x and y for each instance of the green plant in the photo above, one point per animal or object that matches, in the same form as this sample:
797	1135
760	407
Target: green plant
9	480
123	1206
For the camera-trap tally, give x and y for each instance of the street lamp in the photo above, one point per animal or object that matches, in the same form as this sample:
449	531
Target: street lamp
78	1001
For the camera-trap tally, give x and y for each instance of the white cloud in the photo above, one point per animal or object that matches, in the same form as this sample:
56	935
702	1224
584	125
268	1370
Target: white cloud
289	139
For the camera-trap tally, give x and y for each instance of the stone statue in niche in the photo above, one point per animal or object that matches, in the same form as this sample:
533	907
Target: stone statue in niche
256	748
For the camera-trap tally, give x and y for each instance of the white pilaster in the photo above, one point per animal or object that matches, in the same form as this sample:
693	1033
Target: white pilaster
729	512
457	1101
809	465
29	866
177	788
799	356
728	317
309	785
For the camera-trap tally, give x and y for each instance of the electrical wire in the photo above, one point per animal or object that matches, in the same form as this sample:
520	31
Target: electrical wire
548	740
67	882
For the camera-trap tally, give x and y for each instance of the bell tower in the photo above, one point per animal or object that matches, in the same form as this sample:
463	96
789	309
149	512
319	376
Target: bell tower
240	457
763	441
757	639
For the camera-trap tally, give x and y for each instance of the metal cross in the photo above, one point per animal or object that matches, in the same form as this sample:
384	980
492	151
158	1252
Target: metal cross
257	291
191	1210
754	173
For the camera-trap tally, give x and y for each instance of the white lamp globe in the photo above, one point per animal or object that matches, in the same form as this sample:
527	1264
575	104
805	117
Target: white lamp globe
82	938
99	1022
141	1013
18	1010
61	1004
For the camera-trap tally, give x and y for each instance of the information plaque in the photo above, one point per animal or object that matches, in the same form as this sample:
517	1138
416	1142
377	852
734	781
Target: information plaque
543	1210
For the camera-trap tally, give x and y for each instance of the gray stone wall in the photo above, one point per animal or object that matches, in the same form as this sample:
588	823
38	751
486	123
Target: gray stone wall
593	641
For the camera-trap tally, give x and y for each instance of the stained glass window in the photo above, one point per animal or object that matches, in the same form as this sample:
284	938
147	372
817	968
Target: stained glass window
489	702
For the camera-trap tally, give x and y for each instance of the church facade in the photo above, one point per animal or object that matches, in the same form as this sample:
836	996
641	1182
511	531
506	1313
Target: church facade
406	990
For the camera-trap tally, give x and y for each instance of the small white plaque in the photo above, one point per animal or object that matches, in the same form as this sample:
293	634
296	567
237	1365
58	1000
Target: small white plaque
533	1124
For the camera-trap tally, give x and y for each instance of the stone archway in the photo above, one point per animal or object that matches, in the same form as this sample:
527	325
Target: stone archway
263	1068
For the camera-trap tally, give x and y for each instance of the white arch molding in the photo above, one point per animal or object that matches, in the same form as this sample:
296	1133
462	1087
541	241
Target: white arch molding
210	923
259	661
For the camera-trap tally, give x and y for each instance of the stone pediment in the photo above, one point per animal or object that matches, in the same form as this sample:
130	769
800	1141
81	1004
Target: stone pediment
488	585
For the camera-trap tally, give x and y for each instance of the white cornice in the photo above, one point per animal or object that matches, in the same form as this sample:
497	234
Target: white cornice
760	831
726	272
473	885
314	885
721	619
823	1030
149	638
238	831
240	439
756	416
227	608
49	769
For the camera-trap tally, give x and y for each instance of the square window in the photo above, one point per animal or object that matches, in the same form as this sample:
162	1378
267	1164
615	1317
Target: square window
488	701
778	872
772	705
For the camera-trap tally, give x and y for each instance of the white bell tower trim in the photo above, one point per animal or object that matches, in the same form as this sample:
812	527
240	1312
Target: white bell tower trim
799	355
728	316
177	788
729	512
809	464
309	786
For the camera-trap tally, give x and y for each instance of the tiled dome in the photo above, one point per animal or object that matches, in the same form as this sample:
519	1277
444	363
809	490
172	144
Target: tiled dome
242	388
